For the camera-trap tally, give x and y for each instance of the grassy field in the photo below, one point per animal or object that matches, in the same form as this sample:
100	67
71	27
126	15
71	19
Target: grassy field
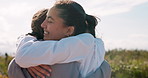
124	63
128	63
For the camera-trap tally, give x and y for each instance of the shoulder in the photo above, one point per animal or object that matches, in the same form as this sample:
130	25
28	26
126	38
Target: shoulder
99	40
24	38
82	38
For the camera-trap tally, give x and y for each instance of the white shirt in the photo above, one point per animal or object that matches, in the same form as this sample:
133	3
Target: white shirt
83	48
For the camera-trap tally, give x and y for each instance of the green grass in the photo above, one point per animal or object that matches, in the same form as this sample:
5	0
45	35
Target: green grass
128	63
124	63
3	66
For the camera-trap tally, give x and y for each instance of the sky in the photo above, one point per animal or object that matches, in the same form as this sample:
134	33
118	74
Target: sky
124	23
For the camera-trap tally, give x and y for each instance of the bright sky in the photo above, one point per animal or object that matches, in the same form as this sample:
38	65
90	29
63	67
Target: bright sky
124	23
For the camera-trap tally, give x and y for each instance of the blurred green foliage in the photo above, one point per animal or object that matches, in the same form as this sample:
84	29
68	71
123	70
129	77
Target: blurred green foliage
124	63
4	61
128	63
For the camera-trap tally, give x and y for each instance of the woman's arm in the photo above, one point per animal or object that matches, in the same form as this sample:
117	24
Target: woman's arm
66	50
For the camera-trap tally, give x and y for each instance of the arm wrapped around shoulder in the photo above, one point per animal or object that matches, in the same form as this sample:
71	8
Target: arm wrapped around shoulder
51	52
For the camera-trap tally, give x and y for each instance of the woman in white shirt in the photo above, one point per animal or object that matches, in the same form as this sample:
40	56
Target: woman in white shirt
65	28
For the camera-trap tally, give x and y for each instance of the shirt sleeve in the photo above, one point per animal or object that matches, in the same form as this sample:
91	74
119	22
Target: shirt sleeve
33	53
24	38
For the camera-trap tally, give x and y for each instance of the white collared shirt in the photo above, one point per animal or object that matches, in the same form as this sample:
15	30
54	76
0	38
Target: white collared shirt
83	48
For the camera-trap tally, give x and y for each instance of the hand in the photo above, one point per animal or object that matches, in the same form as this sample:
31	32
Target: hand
40	70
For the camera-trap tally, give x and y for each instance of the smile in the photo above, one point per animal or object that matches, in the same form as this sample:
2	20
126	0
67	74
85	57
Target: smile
45	32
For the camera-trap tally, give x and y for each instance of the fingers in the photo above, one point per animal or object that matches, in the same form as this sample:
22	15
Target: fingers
40	70
32	74
43	71
47	67
36	72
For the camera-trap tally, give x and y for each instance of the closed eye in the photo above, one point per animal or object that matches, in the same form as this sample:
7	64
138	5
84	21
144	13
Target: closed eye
50	22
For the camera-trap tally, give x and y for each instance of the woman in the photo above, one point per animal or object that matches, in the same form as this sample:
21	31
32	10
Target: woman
61	18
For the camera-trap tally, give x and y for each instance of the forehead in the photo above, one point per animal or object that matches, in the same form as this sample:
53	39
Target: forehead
53	14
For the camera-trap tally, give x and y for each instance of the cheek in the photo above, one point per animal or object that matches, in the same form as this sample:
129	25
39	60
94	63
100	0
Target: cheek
53	30
60	32
50	28
56	30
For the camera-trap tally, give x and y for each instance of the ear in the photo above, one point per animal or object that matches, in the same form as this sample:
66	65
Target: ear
70	30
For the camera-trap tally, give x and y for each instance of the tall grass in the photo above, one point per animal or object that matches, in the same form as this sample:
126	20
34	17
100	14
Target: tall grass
128	63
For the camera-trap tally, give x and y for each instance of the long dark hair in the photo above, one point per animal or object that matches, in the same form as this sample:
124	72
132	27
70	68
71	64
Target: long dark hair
73	14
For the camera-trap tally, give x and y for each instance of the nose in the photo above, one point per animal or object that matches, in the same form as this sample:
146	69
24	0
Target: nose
43	25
